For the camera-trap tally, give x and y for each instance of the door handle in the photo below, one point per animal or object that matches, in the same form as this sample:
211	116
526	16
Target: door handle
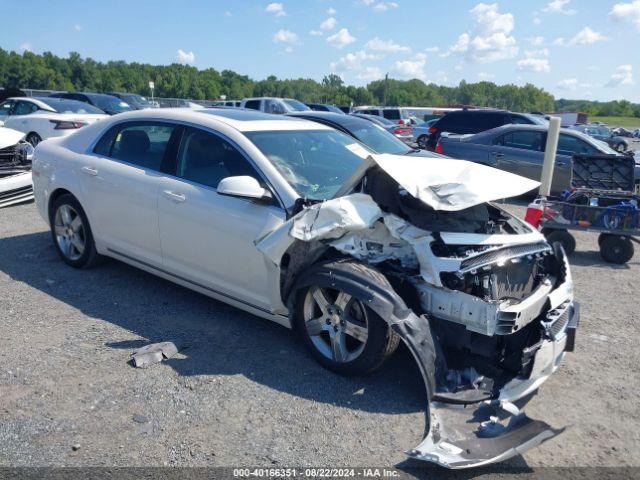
90	171
498	154
176	197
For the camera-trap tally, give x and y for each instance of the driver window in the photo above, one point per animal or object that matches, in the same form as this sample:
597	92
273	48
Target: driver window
272	106
5	108
206	159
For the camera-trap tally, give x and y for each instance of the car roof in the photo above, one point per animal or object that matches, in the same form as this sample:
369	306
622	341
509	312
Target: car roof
347	121
243	120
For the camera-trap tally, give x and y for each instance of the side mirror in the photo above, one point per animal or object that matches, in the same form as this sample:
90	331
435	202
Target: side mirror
243	187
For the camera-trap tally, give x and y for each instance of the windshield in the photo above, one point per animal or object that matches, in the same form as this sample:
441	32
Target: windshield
138	99
62	105
316	163
295	105
111	104
537	119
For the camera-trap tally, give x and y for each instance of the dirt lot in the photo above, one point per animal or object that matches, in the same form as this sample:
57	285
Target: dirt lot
243	391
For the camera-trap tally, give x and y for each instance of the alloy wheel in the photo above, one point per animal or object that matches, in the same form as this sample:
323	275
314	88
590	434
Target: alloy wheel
336	323
69	231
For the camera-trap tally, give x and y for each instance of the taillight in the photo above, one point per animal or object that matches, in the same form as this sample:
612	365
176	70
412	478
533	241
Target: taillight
433	130
439	148
402	131
66	125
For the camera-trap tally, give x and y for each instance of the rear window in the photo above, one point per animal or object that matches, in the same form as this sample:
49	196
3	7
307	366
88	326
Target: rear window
252	104
63	105
392	114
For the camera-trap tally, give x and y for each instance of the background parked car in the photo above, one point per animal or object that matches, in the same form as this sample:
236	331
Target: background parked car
403	132
279	106
476	121
622	132
135	101
604	134
421	132
321	107
44	117
369	133
107	103
519	149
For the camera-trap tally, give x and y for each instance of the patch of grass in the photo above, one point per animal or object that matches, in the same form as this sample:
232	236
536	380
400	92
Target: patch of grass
627	122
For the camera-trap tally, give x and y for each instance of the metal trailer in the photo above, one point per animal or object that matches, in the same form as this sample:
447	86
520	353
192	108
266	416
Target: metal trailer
602	200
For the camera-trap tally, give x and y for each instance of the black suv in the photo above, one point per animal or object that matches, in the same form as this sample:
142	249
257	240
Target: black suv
476	121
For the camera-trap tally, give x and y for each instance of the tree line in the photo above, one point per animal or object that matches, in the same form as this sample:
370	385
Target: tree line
50	72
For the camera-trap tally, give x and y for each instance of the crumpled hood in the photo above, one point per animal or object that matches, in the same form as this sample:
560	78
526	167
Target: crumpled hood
452	185
9	136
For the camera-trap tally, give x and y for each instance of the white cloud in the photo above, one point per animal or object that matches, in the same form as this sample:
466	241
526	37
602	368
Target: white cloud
285	36
384	6
491	38
276	8
370	73
587	36
568	84
544	52
532	64
388	46
559	42
25	47
331	11
411	68
537	41
329	24
486	76
77	27
341	39
228	14
353	61
536	19
627	12
557	6
185	58
288	49
316	33
622	76
432	49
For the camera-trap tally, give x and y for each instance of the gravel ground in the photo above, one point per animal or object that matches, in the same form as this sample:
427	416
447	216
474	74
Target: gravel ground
243	391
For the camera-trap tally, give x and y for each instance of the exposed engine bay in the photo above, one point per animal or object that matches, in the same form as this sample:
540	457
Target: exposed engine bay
15	168
483	302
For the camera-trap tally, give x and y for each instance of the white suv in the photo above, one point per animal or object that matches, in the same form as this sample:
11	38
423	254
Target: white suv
278	106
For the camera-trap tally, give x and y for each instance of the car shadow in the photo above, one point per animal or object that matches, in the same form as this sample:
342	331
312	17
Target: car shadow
593	259
213	338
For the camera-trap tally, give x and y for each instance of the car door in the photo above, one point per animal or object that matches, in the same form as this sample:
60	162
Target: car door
520	152
120	187
208	238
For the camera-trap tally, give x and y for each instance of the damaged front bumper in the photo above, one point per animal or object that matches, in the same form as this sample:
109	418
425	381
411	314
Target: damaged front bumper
465	435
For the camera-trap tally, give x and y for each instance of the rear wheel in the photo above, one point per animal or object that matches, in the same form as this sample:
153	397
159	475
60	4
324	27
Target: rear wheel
34	139
71	233
563	237
615	248
341	332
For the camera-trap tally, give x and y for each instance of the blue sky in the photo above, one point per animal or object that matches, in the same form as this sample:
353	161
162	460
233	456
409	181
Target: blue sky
572	48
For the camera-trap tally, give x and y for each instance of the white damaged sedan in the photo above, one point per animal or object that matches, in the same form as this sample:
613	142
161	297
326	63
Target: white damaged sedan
300	224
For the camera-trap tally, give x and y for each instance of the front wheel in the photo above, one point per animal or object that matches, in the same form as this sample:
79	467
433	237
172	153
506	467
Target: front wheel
615	248
341	332
71	233
422	142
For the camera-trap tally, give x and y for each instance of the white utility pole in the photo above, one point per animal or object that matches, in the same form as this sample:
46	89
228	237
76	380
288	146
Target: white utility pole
550	156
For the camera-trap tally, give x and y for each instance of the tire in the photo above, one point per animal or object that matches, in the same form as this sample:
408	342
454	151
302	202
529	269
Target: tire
563	237
34	139
364	354
422	141
71	233
620	147
616	249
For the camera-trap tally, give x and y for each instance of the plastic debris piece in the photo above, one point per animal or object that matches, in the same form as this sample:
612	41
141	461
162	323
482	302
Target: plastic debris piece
154	353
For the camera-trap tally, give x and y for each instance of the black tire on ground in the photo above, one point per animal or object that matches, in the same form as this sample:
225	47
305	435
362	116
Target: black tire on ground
34	139
90	256
563	237
422	141
616	248
381	341
620	147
